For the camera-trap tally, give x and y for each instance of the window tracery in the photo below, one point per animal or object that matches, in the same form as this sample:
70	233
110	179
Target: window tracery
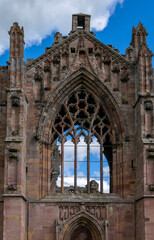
81	123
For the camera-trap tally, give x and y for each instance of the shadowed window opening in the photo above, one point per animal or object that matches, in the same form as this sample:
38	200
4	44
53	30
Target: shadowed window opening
81	22
90	51
72	50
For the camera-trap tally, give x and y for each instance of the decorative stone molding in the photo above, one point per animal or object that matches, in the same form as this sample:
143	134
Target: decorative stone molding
148	106
66	211
66	41
65	229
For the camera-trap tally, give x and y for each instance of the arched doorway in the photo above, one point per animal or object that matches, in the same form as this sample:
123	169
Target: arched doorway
82	227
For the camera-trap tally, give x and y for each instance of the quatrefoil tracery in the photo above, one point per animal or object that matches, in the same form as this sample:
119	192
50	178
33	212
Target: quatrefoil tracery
80	113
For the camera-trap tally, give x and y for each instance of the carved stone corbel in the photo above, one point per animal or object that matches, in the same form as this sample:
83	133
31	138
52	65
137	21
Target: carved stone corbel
151	187
150	153
13	153
12	187
15	101
115	69
148	106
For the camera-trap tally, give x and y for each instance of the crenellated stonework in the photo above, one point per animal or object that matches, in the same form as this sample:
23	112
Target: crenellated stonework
78	84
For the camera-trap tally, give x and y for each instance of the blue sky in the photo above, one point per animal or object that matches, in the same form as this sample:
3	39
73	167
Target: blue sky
82	164
123	17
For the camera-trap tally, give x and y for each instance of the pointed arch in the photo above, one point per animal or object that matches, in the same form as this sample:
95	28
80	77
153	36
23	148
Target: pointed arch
86	221
80	79
83	80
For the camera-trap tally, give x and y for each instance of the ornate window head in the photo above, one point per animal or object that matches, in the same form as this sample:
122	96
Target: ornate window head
82	146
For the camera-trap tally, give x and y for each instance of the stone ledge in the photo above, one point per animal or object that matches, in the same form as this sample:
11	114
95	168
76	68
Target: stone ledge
15	196
102	198
14	89
13	139
144	196
148	141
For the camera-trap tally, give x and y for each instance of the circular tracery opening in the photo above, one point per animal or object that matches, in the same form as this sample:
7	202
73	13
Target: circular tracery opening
82	146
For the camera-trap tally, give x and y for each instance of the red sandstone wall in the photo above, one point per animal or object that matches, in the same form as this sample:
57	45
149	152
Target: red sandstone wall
149	218
1	221
14	218
42	218
4	82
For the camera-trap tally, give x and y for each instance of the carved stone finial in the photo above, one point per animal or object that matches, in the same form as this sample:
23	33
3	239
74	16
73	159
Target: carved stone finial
58	37
139	35
16	29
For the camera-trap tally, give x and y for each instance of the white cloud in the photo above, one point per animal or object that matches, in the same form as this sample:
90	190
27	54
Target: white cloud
81	156
95	147
42	18
81	182
106	171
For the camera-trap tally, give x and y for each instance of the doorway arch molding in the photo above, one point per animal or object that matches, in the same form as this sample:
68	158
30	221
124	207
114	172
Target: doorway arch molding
82	220
80	79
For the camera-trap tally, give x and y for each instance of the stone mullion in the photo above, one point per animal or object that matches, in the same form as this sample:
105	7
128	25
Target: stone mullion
101	167
75	166
88	166
62	166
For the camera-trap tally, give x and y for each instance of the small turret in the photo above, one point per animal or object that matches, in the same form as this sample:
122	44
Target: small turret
16	55
139	35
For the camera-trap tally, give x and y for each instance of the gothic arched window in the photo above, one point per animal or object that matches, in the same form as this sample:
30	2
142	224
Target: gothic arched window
81	146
